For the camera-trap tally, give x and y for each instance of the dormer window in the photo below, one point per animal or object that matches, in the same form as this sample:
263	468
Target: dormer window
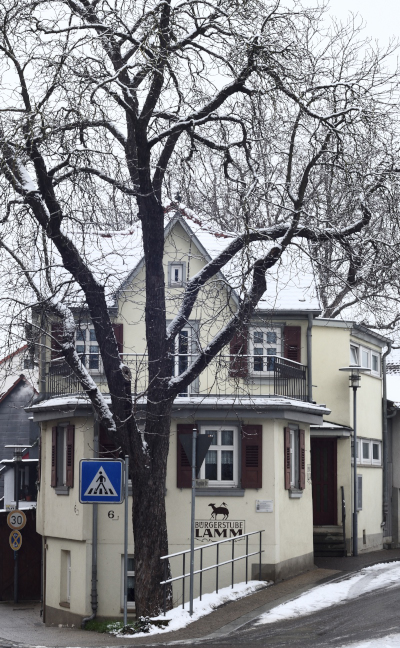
176	274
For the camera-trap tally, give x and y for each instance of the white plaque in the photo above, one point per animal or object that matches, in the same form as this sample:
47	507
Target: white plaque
264	506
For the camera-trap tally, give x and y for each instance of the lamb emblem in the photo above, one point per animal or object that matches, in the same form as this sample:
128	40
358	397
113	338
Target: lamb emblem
220	510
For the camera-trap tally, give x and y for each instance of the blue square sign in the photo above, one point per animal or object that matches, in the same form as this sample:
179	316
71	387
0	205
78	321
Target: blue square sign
100	481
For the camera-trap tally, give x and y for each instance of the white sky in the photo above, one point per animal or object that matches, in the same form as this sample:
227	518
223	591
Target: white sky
382	17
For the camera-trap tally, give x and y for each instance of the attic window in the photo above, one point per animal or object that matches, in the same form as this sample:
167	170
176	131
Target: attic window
176	274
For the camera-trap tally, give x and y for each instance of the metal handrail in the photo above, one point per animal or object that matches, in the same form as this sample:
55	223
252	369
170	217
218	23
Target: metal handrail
216	566
344	521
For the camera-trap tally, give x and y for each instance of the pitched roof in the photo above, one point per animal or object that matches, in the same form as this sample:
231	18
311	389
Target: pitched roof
13	354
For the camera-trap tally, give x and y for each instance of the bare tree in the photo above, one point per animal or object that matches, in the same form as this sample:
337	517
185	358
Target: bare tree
101	105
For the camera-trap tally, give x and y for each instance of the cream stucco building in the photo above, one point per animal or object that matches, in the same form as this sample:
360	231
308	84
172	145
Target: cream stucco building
280	413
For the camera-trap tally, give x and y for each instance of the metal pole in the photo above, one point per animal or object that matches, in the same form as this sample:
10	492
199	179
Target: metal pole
194	437
16	506
355	525
126	543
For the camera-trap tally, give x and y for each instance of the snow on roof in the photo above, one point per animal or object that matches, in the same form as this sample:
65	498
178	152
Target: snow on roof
61	403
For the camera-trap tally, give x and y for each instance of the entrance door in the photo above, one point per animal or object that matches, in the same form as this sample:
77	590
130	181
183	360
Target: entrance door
323	475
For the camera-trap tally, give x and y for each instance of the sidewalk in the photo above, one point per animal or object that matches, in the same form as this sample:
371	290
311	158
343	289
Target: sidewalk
21	624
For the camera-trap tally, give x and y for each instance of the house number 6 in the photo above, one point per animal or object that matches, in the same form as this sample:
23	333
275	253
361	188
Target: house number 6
111	514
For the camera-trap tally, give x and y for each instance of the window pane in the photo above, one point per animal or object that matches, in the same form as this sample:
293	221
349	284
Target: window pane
215	436
365	358
271	361
226	465
92	335
375	365
94	357
258	360
184	342
211	465
81	334
131	564
271	337
353	355
227	438
365	451
131	588
80	348
375	451
258	337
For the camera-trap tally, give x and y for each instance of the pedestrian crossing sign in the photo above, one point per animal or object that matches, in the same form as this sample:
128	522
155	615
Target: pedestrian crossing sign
100	481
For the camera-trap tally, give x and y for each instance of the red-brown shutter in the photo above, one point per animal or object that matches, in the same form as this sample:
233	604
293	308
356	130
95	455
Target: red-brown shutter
302	459
238	360
183	467
292	343
70	456
251	456
119	336
53	482
287	458
56	338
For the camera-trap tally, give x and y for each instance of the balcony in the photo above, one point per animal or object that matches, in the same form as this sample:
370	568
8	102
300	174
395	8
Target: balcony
225	376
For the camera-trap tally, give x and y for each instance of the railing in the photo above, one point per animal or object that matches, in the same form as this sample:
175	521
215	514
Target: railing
344	520
217	565
224	376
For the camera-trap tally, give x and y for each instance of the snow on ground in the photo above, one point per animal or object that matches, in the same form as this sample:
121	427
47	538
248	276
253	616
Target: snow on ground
390	641
383	575
180	618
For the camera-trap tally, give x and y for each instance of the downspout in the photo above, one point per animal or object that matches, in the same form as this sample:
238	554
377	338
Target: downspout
93	593
309	358
385	504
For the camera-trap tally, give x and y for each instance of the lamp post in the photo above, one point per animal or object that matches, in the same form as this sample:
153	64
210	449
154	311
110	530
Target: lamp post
355	372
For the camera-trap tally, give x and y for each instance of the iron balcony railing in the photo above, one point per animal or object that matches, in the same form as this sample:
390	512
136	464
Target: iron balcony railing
225	376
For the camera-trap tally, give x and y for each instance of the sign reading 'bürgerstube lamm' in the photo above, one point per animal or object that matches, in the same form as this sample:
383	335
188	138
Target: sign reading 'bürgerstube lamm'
218	529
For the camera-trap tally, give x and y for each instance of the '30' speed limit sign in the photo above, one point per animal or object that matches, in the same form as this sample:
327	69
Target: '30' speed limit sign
16	519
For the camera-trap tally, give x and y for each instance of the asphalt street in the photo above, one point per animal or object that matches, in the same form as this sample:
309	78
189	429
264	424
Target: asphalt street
369	616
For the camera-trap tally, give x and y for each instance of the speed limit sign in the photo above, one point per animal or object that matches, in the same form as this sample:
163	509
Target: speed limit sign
16	519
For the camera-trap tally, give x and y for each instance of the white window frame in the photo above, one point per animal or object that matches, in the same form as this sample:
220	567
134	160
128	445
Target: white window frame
204	429
87	343
376	462
265	346
130	604
365	443
370	461
173	270
360	353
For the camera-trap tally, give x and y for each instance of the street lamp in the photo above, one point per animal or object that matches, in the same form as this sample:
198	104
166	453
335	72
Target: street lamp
355	372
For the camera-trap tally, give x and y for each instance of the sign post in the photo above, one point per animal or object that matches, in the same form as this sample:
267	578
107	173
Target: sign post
126	543
195	449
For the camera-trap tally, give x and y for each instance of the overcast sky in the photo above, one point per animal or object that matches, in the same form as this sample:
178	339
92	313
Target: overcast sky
382	17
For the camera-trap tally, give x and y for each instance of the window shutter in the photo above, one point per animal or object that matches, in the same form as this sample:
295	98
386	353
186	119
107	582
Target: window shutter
287	458
119	336
183	467
56	338
292	343
53	482
238	360
302	459
251	456
70	456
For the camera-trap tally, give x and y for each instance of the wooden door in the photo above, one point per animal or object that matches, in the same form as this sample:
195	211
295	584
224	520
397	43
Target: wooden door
324	480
